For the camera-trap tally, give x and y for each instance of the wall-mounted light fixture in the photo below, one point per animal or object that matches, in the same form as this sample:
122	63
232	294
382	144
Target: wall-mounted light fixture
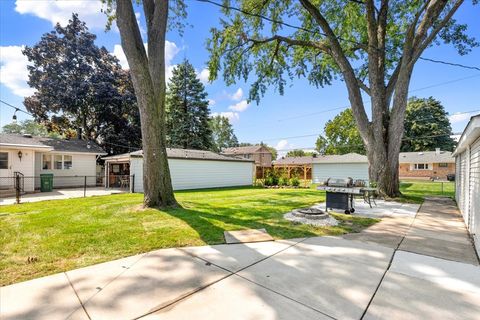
20	155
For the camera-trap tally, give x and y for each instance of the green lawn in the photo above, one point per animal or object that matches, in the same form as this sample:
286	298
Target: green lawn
415	190
67	234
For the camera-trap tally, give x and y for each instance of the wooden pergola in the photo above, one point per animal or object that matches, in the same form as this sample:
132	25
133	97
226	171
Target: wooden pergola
302	165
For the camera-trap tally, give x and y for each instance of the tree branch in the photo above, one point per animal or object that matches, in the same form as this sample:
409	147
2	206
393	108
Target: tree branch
293	42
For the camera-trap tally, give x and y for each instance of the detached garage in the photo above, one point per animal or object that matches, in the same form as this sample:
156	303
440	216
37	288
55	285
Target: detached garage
351	165
467	157
189	169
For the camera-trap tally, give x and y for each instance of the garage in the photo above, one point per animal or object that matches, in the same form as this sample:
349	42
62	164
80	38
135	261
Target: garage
467	157
189	169
351	165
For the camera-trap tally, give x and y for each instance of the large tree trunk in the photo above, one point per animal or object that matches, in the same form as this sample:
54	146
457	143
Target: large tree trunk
148	77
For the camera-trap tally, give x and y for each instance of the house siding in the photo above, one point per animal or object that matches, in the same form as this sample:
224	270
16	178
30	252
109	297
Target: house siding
199	174
406	170
82	165
24	166
323	171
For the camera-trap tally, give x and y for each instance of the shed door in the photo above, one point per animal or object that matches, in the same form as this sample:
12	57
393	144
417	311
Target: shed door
474	221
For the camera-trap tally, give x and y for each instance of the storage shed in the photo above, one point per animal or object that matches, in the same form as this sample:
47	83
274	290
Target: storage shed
467	157
351	165
189	169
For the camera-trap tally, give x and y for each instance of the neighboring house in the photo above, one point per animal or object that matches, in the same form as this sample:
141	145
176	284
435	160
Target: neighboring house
467	179
260	154
351	165
32	156
426	164
189	169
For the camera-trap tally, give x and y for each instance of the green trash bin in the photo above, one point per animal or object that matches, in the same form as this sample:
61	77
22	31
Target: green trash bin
46	182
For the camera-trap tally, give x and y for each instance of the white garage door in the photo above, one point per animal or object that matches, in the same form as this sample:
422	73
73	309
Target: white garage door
200	174
474	222
323	171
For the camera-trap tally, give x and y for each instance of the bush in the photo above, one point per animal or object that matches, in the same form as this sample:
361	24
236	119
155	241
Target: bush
294	182
271	178
283	181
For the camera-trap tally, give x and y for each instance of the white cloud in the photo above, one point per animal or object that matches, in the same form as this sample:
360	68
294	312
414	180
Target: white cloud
13	70
232	116
211	102
239	107
171	51
237	96
459	117
203	75
61	11
282	144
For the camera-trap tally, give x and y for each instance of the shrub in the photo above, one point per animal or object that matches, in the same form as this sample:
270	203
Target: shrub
283	181
294	182
271	178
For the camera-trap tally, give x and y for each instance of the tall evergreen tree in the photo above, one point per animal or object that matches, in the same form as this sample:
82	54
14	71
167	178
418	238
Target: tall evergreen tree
427	126
222	133
187	110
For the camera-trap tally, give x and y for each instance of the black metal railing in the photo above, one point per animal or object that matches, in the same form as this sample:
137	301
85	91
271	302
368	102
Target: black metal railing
18	185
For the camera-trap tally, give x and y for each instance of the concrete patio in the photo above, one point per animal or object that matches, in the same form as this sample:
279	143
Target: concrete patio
58	194
405	267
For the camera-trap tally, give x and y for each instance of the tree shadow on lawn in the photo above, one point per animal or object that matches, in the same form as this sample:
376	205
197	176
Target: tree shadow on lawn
210	222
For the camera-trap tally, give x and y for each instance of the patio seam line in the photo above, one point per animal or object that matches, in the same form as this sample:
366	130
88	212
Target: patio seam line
287	297
223	278
390	262
436	257
78	297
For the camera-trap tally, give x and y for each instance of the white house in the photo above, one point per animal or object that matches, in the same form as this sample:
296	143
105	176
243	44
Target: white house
351	165
189	169
467	156
30	156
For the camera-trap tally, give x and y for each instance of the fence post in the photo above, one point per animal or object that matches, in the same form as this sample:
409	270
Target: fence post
17	188
84	186
132	184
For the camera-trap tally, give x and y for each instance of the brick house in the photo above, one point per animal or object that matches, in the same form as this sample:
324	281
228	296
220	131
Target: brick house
259	153
426	164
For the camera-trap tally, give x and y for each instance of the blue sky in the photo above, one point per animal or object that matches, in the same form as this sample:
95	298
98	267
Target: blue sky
277	120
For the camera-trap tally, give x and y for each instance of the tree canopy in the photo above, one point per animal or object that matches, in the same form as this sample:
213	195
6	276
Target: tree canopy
30	127
372	46
341	136
427	126
222	133
81	85
299	153
187	111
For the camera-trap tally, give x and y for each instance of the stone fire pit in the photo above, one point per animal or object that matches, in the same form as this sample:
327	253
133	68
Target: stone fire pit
312	216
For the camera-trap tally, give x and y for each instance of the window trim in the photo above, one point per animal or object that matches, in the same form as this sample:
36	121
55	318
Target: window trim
8	160
443	165
426	166
52	161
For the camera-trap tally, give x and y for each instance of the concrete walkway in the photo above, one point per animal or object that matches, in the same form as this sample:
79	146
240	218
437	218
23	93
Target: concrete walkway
400	268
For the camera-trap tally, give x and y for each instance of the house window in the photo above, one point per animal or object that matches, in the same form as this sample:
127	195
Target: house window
443	165
67	162
57	162
46	162
3	160
421	166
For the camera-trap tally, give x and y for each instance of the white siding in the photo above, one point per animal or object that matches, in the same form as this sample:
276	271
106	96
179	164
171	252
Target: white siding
323	171
83	164
199	174
474	212
24	166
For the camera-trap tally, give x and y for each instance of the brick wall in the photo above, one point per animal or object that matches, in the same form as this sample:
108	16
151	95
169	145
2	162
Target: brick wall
406	172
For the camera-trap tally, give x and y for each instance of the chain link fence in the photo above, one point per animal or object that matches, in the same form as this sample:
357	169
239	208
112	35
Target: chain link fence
19	186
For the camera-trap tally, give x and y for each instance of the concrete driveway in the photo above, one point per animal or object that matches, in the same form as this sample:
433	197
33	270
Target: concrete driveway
400	268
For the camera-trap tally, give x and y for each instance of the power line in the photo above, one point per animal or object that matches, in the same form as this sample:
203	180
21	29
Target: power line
16	108
451	64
